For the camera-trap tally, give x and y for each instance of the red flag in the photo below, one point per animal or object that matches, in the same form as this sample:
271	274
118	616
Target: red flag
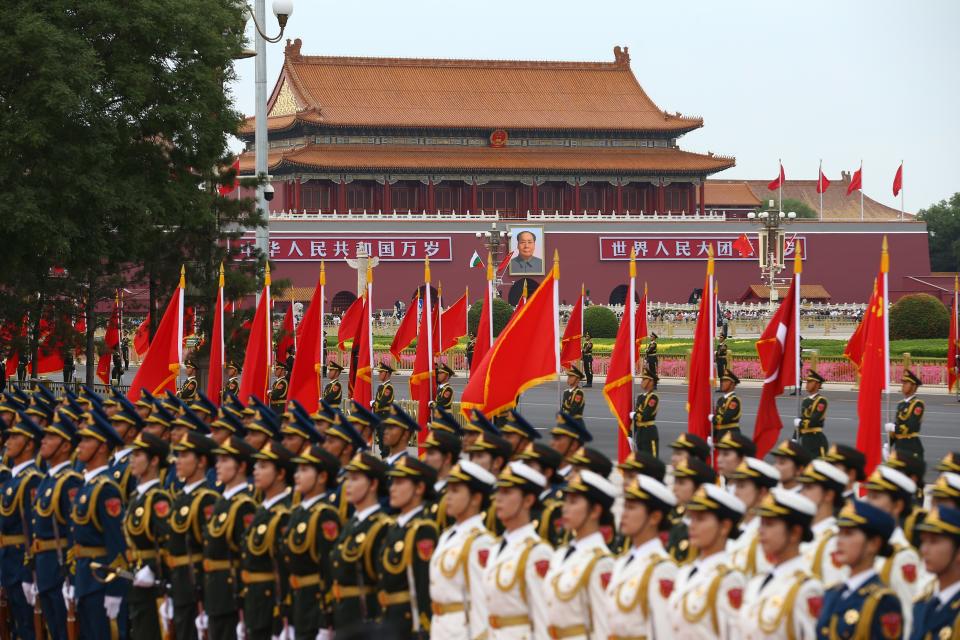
700	376
570	346
503	263
288	336
777	182
523	299
453	323
407	330
255	380
953	349
217	351
898	180
422	379
618	390
161	366
307	374
189	321
226	189
743	246
50	350
854	349
350	323
822	183
110	341
363	380
640	323
485	327
141	338
856	182
533	332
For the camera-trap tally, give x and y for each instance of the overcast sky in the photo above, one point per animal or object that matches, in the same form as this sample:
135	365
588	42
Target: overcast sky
837	80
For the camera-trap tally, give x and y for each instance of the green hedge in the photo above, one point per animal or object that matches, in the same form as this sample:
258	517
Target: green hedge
600	322
918	316
501	316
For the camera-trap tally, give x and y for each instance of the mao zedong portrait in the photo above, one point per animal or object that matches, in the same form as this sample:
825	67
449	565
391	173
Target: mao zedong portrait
525	261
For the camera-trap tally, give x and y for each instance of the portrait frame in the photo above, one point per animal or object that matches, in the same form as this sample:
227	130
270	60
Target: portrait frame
539	251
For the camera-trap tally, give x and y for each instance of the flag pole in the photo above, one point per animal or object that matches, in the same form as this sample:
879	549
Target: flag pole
293	320
632	310
269	337
798	361
556	320
466	327
861	190
429	309
884	273
180	287
223	354
901	190
782	177
323	335
820	187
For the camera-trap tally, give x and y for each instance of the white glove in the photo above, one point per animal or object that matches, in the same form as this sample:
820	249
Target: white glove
710	417
30	592
111	605
67	592
241	631
710	441
324	634
886	450
287	634
144	577
202	623
796	422
632	414
166	609
889	427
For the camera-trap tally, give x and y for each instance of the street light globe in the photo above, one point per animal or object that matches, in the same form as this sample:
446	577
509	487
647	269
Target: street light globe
283	8
751	215
792	215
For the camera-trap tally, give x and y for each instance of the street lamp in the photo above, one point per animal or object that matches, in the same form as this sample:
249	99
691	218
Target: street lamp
492	240
771	238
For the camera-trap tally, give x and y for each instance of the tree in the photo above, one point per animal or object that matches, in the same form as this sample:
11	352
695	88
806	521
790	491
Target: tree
917	316
600	322
502	311
943	225
801	208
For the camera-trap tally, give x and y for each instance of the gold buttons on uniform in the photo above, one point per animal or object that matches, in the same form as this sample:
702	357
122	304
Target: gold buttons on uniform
945	634
851	616
398	547
48	492
301	527
138	511
262	529
184	510
361	537
222	517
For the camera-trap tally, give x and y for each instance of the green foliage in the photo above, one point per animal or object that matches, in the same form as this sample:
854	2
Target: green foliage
943	225
802	209
919	315
600	322
501	316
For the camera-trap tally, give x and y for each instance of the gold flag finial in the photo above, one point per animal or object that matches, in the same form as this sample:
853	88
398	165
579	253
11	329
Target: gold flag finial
323	273
266	276
633	263
956	284
556	264
644	288
884	257
583	290
525	288
489	266
709	260
183	277
221	275
797	256
426	269
369	272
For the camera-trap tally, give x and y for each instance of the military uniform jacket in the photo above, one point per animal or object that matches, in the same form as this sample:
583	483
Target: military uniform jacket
820	554
145	527
745	552
381	402
353	569
333	393
586	351
782	607
869	612
934	619
278	395
444	397
233	385
651	352
191	509
119	468
223	539
727	412
909	416
403	567
456	581
678	540
97	517
721	353
813	412
645	411
311	534
575	587
547	517
514	586
19	493
264	575
903	572
188	392
641	584
50	524
573	401
706	600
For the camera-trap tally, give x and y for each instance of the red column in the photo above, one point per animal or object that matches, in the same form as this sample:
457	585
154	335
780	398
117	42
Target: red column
703	196
619	197
534	204
342	196
473	196
660	198
298	193
387	206
431	197
576	198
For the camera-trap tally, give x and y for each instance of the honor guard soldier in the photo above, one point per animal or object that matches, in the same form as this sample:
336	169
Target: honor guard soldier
264	427
949	462
333	390
233	378
477	425
97	534
16	505
643	577
645	435
813	413
547	513
226	426
490	452
851	462
397	429
720	355
905	432
461	557
651	357
575	584
403	564
223	539
444	390
265	578
726	414
946	491
145	530
861	606
191	509
441	451
518	432
785	602
128	423
296	429
688	477
790	459
936	614
357	550
384	397
688	446
443	420
309	540
50	522
641	464
824	485
732	450
517	565
586	350
706	598
567	436
188	391
753	480
363	421
278	392
915	469
573	398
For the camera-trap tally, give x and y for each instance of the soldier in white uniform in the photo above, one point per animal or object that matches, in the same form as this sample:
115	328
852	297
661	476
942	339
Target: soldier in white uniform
785	602
643	578
708	593
946	490
824	484
579	573
752	480
892	491
513	582
462	554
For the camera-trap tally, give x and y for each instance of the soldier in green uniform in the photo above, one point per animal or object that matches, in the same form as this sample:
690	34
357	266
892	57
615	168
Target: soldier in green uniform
586	356
333	390
726	414
905	432
651	357
296	428
223	539
477	425
645	435
573	398
720	355
641	463
191	508
687	478
188	391
813	413
396	430
403	564
569	434
357	550
384	398
444	390
443	420
309	539
233	378
688	446
145	529
265	580
278	392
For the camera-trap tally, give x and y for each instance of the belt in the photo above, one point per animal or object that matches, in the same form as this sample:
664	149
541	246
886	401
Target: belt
12	541
649	423
896	436
499	622
616	637
566	632
386	599
39	546
298	582
80	551
443	608
341	592
806	432
256	577
134	555
181	561
218	565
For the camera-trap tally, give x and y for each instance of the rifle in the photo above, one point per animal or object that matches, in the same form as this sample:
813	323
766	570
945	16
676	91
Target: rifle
38	631
73	629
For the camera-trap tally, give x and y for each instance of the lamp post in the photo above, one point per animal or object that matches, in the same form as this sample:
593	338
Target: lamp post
771	237
492	240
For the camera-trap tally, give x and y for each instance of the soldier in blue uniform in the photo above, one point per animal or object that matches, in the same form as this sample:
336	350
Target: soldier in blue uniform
51	524
128	423
861	606
518	431
397	429
97	518
296	429
936	614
